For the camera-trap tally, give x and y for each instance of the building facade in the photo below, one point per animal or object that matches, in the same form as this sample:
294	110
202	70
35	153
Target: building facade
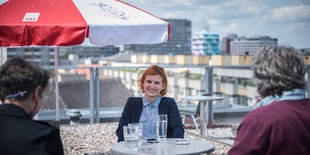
3	55
89	51
205	43
179	43
305	51
225	43
45	56
249	46
41	55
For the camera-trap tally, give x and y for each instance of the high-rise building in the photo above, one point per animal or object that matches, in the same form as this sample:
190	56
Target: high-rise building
225	43
249	46
205	43
179	43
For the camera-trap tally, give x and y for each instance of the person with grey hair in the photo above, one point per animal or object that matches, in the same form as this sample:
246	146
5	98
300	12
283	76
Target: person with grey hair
22	84
281	124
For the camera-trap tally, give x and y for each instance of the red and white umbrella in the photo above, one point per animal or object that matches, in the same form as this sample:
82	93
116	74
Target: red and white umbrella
69	22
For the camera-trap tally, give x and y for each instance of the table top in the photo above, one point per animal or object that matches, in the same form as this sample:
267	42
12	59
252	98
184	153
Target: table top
166	146
201	98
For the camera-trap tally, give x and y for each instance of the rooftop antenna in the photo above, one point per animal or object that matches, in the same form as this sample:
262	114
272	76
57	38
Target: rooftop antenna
206	25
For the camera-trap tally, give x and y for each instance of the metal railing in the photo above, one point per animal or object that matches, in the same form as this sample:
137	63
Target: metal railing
100	93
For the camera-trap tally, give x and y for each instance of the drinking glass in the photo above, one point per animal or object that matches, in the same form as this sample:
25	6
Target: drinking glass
131	138
139	129
161	126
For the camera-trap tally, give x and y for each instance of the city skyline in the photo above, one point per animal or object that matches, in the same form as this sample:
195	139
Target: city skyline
287	20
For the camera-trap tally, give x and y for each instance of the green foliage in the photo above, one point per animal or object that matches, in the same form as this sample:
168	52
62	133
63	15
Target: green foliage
129	70
195	76
246	83
64	56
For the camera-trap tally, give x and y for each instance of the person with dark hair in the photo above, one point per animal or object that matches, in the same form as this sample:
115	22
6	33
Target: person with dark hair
281	125
154	84
21	86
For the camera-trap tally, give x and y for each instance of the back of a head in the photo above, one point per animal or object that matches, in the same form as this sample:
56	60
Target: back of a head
278	69
20	78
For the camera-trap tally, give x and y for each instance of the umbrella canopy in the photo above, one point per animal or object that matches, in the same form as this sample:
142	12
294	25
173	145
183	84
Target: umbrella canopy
69	22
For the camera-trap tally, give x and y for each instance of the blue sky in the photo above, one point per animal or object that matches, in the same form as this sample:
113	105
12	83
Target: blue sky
287	20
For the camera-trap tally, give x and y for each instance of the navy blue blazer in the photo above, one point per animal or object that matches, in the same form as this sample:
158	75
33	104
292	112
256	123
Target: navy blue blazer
133	110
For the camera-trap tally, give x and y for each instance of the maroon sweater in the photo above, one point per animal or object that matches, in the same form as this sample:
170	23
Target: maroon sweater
282	127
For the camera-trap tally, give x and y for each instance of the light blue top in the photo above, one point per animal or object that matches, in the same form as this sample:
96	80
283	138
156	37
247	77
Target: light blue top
295	94
148	117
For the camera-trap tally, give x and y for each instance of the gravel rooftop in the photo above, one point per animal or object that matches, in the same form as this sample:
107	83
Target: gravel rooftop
97	139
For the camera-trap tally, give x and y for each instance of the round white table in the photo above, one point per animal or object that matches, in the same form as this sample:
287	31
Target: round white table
165	147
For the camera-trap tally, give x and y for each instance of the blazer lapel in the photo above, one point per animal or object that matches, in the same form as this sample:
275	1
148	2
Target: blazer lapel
162	107
138	110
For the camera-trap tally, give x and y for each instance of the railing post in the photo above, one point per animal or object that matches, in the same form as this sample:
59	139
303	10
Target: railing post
209	90
56	88
74	115
209	80
97	95
308	80
186	86
91	94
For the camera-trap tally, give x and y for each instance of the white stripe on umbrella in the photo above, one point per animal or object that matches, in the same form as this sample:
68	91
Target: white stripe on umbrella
116	22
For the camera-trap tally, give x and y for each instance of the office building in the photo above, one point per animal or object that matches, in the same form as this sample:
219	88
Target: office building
179	43
205	43
225	43
45	56
305	51
249	46
41	55
89	51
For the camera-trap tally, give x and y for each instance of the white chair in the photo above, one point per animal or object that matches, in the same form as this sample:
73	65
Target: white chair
193	113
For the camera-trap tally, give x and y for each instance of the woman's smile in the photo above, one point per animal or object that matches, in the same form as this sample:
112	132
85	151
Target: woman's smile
152	86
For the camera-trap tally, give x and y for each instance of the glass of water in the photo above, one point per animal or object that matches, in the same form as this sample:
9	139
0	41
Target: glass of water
139	129
161	126
131	138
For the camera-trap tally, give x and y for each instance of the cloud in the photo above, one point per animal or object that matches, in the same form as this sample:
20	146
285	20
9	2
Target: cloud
214	21
297	2
3	1
212	8
235	9
170	15
297	28
233	27
291	14
223	12
226	27
287	20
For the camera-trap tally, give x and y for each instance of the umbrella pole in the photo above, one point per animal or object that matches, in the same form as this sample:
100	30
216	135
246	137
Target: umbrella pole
56	87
